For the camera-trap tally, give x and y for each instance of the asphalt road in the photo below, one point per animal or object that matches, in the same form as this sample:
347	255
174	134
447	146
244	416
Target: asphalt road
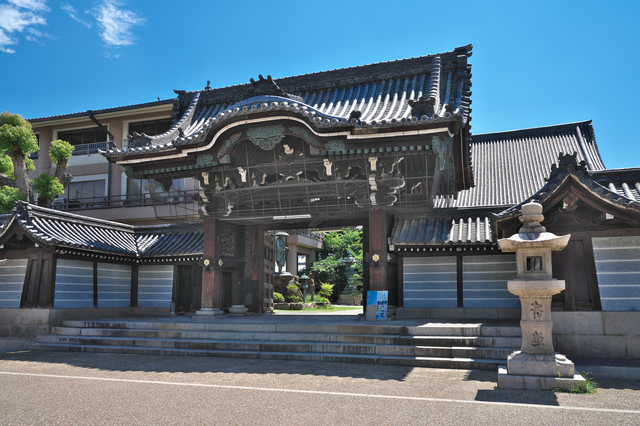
77	388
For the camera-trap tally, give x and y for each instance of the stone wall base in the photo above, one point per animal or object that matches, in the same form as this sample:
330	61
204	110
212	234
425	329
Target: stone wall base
575	333
458	313
29	323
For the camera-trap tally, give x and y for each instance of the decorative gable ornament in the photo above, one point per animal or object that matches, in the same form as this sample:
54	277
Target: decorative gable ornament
266	137
264	87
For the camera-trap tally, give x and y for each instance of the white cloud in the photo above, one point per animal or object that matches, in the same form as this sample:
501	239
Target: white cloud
14	20
116	23
5	40
74	15
35	5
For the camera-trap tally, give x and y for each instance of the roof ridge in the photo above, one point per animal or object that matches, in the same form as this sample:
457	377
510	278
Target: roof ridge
101	111
51	213
466	48
532	129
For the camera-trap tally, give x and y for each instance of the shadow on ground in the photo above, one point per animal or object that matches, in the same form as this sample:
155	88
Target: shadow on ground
187	364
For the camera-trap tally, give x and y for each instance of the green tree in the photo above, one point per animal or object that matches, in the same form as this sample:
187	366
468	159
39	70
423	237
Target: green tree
337	246
17	141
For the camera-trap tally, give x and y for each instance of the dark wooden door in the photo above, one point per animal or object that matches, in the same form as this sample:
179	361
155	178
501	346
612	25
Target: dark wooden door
189	288
227	289
575	265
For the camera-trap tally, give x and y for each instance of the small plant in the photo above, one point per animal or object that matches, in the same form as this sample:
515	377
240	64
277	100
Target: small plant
277	297
591	386
326	290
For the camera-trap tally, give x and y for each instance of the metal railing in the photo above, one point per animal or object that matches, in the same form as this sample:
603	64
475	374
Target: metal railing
122	201
89	148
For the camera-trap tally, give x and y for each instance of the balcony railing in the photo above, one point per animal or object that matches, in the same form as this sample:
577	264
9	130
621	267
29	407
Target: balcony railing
89	148
121	201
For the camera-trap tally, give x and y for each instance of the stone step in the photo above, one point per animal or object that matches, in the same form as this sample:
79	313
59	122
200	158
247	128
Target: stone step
409	361
281	346
431	329
227	335
446	341
501	342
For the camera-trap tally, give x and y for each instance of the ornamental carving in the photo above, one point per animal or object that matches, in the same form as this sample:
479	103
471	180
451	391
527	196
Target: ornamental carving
422	107
264	87
306	135
266	137
228	240
205	159
228	143
570	203
335	146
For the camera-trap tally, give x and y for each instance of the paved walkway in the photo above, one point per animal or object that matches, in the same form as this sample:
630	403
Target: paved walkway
80	388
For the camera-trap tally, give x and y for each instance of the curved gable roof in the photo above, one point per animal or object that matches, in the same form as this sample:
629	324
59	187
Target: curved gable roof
427	89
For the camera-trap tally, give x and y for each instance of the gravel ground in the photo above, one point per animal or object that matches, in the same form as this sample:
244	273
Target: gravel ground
79	388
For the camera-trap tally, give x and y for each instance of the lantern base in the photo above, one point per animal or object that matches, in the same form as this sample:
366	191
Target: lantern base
553	365
513	381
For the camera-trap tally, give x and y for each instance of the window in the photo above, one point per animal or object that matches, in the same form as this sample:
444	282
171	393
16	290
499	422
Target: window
144	191
85	141
151	128
82	195
302	262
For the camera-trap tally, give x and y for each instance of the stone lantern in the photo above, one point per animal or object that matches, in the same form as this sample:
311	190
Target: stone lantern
536	365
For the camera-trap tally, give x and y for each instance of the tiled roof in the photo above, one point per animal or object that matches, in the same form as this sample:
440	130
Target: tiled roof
101	111
164	241
53	228
624	182
435	88
509	167
439	231
569	167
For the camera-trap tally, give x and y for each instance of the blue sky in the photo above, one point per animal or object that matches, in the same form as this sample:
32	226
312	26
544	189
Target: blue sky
534	63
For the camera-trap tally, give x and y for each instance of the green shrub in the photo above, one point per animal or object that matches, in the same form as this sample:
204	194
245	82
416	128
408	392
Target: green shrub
47	186
277	297
8	198
60	150
294	295
325	290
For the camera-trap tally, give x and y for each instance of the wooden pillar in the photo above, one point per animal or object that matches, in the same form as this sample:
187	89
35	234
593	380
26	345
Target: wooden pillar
211	271
261	301
238	276
382	265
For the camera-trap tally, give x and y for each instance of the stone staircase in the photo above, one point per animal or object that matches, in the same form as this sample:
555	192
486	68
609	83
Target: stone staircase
436	345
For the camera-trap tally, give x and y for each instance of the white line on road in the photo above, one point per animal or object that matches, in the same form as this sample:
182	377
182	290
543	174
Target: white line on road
361	395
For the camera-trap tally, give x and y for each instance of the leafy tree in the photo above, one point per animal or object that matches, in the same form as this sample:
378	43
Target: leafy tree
17	141
337	246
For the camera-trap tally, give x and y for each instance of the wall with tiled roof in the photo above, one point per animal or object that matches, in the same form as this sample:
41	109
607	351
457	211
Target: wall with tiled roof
509	167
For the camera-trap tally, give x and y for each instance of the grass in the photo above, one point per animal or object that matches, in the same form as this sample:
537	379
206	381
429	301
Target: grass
328	308
590	387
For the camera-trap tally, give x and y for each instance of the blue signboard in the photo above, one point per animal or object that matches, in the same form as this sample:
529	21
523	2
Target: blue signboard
378	301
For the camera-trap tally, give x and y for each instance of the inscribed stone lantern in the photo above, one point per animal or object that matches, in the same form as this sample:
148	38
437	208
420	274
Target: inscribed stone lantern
536	365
